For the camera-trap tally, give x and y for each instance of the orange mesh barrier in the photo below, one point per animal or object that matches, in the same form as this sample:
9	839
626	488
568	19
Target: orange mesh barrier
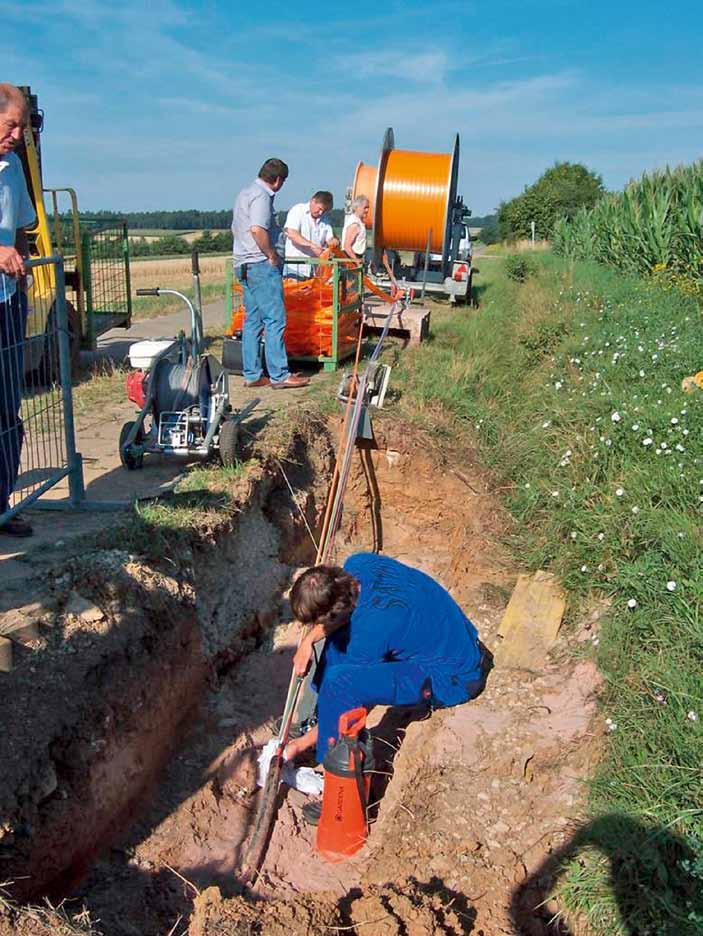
310	313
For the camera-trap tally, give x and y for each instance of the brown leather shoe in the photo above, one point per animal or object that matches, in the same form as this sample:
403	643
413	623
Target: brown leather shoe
261	382
16	526
291	381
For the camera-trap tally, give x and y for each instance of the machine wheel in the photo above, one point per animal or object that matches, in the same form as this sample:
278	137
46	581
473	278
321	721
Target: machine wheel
229	443
131	461
49	369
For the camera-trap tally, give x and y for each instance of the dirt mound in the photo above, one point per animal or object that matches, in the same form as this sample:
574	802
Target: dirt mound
404	909
214	916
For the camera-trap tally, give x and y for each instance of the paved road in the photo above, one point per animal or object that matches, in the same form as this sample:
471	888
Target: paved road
115	343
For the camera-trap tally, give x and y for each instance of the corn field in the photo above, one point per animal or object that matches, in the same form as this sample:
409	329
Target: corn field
656	222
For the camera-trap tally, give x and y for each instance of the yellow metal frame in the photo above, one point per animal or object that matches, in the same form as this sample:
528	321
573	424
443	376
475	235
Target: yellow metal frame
43	290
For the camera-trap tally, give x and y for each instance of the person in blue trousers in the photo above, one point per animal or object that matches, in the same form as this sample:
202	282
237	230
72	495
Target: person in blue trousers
394	636
16	213
258	265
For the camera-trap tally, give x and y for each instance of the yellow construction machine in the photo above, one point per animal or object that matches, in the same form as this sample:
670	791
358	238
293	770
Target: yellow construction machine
95	251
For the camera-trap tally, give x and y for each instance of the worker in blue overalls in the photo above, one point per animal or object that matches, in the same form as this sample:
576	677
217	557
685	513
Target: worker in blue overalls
394	636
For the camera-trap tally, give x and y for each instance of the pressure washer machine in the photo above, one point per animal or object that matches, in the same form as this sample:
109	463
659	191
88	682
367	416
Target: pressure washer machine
182	393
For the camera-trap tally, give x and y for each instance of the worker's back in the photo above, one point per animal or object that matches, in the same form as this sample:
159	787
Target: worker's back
402	614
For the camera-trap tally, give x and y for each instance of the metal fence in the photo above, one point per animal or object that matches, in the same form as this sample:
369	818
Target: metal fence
105	248
37	441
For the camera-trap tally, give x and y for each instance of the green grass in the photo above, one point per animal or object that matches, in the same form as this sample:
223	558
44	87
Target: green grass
563	380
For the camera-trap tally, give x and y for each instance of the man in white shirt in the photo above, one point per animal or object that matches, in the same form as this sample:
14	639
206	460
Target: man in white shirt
16	213
308	233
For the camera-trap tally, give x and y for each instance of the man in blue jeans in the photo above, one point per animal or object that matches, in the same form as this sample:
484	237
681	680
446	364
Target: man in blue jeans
259	268
393	635
16	213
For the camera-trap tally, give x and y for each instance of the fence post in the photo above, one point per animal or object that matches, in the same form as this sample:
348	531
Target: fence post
76	488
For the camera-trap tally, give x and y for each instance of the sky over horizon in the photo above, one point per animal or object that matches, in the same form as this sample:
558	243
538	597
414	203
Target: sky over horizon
173	104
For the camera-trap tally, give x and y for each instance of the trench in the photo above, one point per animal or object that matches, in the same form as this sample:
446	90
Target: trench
143	793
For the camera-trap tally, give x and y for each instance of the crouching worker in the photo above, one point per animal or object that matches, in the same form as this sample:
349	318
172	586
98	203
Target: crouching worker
394	636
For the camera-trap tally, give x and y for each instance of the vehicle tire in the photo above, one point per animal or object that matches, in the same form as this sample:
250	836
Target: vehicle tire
131	461
229	443
49	369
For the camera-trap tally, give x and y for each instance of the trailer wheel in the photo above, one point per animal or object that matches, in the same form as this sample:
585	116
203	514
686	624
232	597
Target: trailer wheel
132	461
229	443
49	366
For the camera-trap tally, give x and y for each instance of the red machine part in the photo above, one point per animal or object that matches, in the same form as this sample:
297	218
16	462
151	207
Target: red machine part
460	272
134	383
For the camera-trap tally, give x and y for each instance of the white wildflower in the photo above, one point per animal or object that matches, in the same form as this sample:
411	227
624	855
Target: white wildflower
692	716
632	604
619	492
671	585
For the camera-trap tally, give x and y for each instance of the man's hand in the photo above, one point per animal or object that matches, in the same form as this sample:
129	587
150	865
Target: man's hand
274	260
11	262
303	655
333	242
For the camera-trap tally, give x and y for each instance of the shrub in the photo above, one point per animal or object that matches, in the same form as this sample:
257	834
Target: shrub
519	267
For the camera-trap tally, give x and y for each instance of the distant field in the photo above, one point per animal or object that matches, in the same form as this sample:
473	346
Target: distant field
175	272
157	233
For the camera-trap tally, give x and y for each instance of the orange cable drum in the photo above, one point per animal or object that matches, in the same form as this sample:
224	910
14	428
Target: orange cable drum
415	197
410	194
365	184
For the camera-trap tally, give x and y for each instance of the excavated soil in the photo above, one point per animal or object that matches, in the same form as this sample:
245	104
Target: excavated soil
470	800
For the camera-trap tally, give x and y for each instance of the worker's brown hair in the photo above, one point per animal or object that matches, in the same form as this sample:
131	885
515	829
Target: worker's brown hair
323	595
273	169
323	198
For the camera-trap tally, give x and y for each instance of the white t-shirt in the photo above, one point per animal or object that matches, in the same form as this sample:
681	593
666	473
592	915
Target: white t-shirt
16	211
359	242
316	230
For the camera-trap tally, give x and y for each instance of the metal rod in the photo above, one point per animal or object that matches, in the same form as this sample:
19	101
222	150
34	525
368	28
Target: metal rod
75	461
427	263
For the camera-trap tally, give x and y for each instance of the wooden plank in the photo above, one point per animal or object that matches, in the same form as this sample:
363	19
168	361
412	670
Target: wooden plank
413	321
531	621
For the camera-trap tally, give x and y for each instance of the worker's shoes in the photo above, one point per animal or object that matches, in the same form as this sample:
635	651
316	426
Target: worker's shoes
291	381
312	810
261	382
16	526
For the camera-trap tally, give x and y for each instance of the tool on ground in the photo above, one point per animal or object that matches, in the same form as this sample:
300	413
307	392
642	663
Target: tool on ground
182	392
343	826
268	802
414	207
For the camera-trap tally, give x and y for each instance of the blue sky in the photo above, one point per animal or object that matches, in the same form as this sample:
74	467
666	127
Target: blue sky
175	103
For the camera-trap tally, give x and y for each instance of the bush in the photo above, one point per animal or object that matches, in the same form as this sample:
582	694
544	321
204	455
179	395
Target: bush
518	267
560	192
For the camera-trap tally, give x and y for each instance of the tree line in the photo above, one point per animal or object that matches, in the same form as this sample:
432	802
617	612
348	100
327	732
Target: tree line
191	219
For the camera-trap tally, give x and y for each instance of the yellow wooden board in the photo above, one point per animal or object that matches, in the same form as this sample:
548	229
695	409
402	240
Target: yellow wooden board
531	621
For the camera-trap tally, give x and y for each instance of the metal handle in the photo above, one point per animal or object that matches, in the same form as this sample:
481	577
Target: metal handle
148	292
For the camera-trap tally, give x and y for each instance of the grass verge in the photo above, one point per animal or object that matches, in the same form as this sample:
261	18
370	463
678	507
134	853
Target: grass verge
570	382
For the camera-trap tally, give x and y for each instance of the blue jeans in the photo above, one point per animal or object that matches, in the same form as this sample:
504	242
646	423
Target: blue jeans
13	317
344	686
264	311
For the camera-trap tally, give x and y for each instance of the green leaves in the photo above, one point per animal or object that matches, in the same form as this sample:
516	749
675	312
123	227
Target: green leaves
653	224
